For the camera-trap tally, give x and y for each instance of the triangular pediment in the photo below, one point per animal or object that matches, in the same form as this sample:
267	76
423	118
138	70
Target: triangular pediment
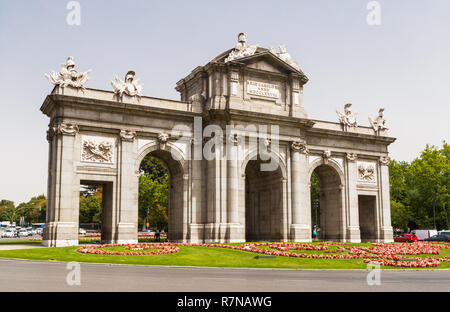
263	60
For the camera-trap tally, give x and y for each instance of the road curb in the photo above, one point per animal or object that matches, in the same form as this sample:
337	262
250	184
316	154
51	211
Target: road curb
224	268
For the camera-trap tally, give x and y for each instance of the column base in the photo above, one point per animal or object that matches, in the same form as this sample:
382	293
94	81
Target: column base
353	235
235	233
387	234
126	233
224	233
197	233
60	234
300	233
60	243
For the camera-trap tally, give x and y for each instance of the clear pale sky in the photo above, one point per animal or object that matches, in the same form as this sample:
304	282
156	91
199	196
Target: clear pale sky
402	65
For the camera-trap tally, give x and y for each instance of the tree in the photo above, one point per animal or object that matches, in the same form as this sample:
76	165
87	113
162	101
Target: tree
427	179
401	215
91	204
153	192
90	209
7	210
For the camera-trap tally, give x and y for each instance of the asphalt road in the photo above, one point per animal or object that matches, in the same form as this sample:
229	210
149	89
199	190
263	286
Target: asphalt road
23	275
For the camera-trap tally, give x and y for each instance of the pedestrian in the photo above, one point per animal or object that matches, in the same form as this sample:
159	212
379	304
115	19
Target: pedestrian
157	235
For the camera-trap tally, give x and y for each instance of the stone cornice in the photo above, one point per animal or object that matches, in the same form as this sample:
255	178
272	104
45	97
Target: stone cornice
351	135
112	106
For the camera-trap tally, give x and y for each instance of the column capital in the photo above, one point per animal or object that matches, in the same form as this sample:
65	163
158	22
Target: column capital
384	160
127	135
65	128
352	156
300	146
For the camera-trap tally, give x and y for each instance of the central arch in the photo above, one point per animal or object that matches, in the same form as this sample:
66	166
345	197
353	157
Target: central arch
331	219
173	160
263	202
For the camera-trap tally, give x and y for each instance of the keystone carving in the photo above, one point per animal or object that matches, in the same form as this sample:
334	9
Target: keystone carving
326	155
163	137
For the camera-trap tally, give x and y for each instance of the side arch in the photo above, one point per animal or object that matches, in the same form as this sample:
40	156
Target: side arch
332	213
155	146
318	162
253	154
178	206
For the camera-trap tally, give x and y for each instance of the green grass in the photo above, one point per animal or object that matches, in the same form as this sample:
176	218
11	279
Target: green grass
19	242
197	256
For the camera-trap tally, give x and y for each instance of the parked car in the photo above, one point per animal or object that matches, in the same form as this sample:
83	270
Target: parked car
8	233
405	238
443	237
23	233
82	231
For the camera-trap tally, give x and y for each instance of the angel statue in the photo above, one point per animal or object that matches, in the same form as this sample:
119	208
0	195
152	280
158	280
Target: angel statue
348	119
130	86
379	123
68	76
285	56
241	50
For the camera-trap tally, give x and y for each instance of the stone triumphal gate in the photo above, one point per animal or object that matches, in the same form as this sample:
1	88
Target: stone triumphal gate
101	137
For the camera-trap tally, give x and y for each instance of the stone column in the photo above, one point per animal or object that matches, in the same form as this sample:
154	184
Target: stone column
386	231
61	228
127	214
301	208
235	229
352	233
197	216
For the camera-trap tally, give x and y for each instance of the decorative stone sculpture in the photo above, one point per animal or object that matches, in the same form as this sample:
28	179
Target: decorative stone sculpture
130	86
68	76
100	152
366	172
127	135
348	119
379	123
66	128
352	156
384	160
326	155
241	50
163	137
300	146
234	138
197	99
285	56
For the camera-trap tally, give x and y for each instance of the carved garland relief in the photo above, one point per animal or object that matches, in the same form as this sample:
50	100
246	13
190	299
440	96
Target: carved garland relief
367	172
97	149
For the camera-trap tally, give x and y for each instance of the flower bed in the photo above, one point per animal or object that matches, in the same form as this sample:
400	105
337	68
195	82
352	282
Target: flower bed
135	249
383	254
